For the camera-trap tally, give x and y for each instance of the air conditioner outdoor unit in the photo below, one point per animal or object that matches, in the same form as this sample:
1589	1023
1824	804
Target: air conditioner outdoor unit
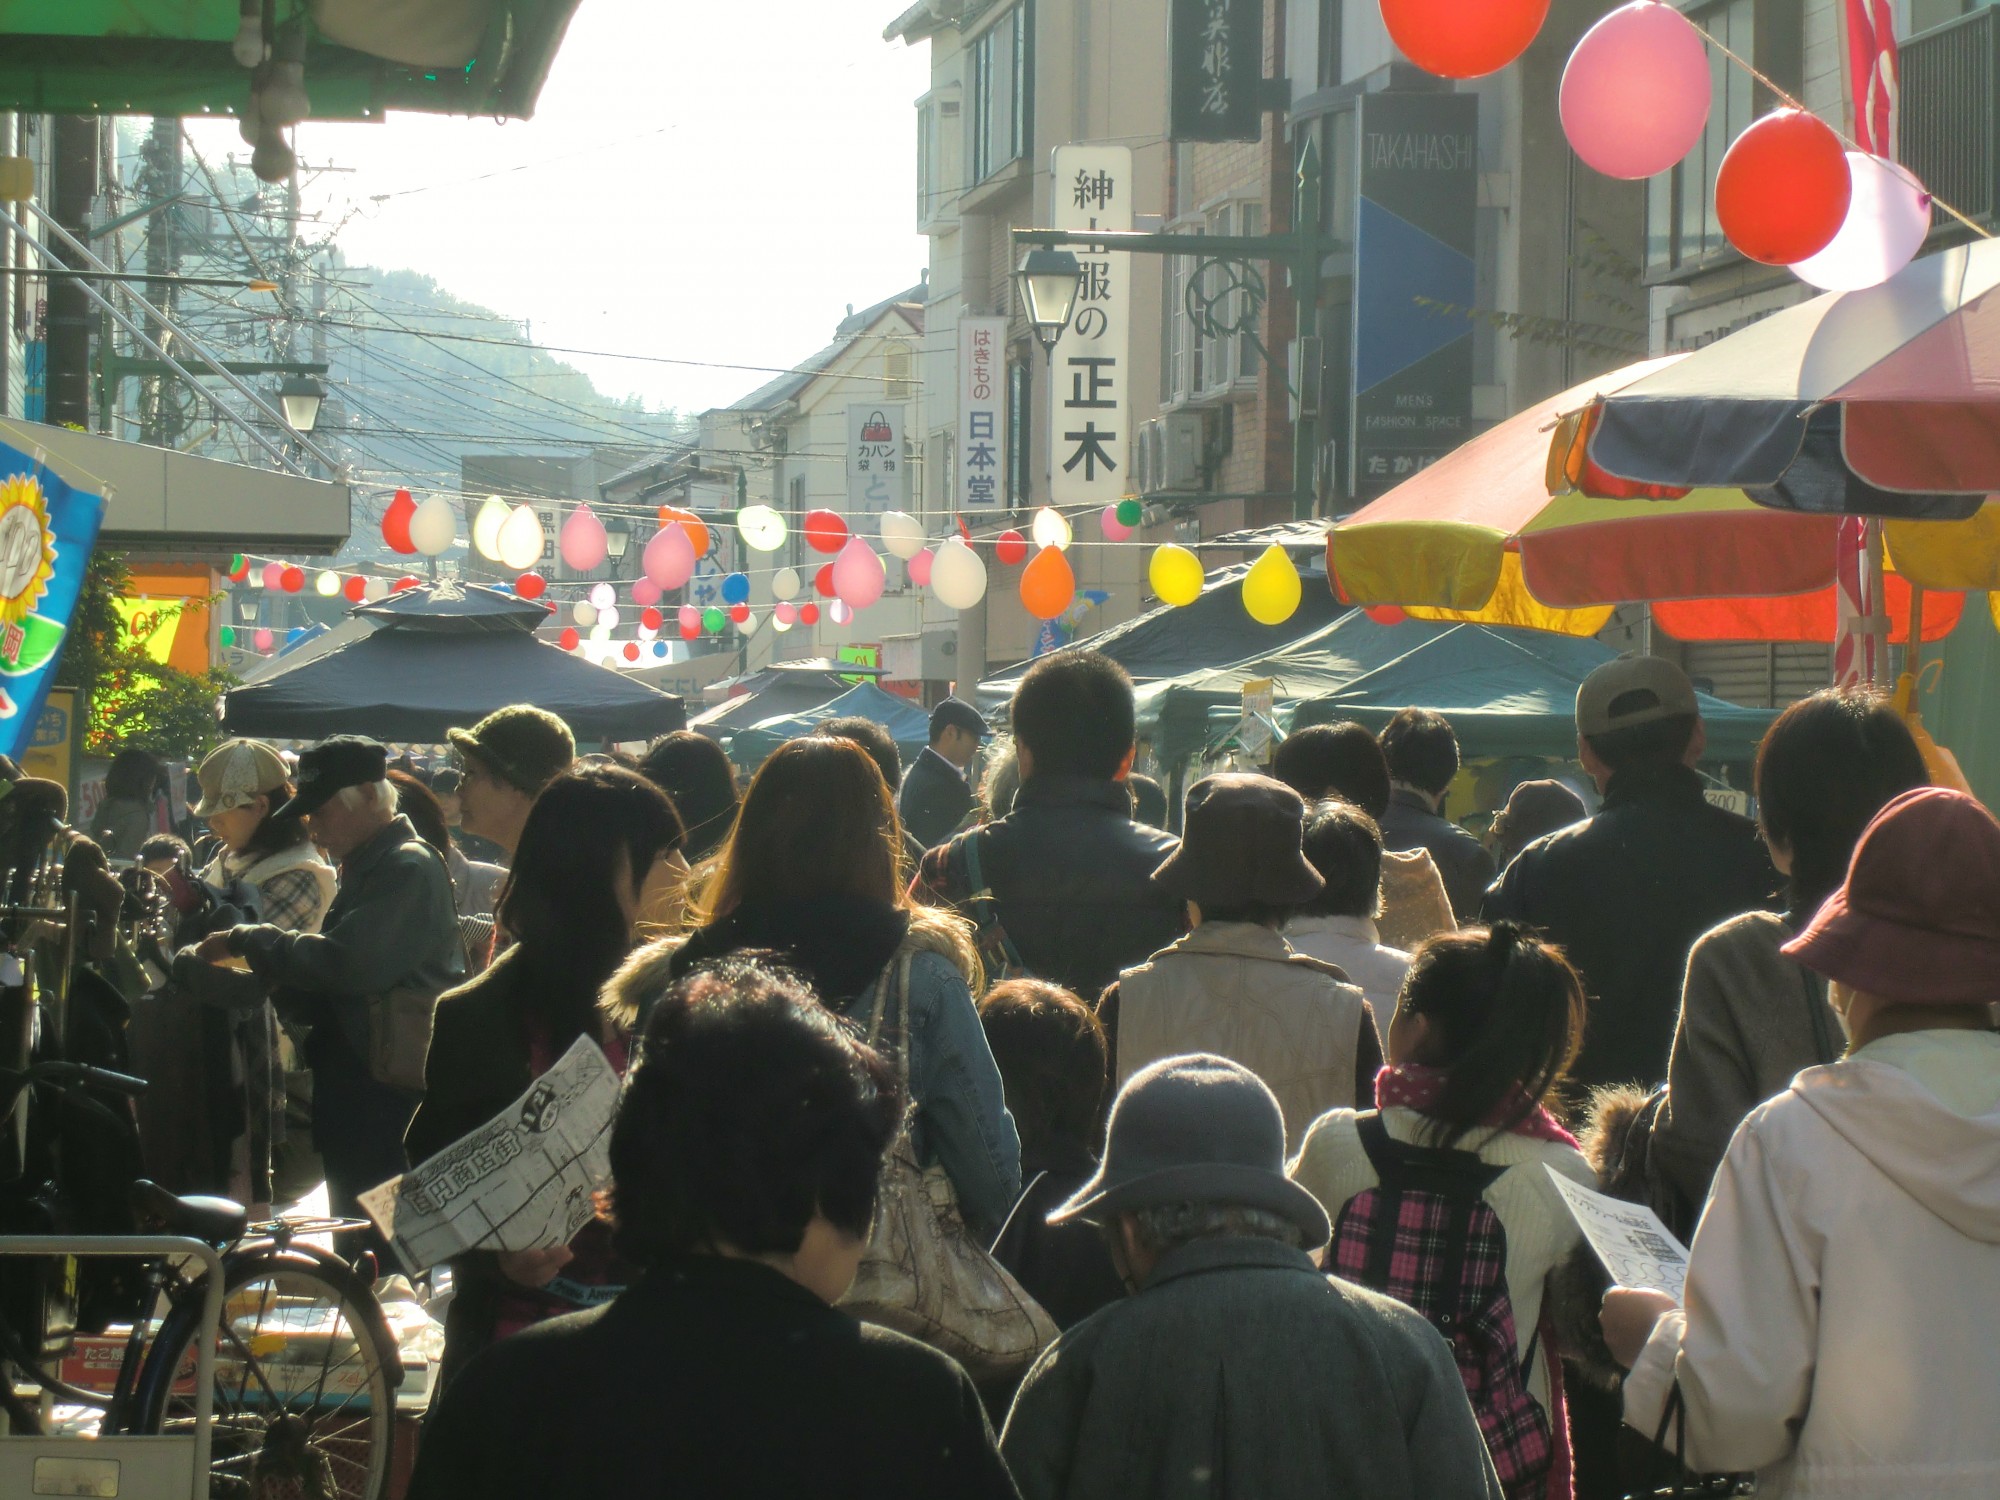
1148	466
1186	466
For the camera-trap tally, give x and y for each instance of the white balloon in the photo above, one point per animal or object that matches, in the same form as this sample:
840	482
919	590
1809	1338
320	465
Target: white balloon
327	584
780	624
1888	219
584	613
1051	528
762	528
603	595
434	527
786	583
608	617
486	527
902	534
521	539
747	625
958	577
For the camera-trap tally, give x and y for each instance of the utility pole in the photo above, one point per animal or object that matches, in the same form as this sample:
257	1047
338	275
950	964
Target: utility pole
74	171
161	414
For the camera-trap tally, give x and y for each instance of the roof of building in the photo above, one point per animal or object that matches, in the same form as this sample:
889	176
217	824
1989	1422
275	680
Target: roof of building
909	303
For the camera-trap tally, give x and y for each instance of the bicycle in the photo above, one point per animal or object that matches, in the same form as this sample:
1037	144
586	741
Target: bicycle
304	1368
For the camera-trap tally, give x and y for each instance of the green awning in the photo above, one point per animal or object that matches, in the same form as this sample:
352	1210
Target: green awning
173	57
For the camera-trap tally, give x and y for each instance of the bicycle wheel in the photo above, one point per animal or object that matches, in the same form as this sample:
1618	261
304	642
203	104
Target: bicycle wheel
302	1339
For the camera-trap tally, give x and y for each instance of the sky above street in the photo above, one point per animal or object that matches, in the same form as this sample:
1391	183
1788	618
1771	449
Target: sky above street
712	184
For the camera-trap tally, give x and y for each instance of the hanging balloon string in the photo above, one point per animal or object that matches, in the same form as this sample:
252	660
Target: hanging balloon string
1786	98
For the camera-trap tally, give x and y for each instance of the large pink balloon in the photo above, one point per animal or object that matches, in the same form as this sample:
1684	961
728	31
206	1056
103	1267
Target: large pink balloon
1888	218
1635	93
669	556
582	542
858	574
645	592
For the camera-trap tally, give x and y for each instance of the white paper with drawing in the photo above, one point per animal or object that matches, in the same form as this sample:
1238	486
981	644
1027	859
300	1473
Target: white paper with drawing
524	1180
1636	1248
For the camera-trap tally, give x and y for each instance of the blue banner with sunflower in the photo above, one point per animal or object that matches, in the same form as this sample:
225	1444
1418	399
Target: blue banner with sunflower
47	531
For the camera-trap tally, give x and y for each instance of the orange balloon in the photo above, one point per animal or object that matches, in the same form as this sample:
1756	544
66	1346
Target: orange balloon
1455	40
1047	584
695	527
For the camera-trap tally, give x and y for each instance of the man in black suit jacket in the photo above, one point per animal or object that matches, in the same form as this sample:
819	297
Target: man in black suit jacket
935	796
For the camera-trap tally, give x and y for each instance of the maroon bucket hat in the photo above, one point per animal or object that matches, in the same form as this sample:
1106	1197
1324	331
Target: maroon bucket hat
1918	919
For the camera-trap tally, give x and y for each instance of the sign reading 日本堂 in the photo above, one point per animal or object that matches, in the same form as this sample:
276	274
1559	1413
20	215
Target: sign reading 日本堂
1216	62
1090	401
874	458
982	408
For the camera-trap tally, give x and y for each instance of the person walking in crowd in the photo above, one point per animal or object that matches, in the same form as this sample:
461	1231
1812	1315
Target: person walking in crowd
746	1154
936	796
389	940
1236	1366
1836	1335
1233	986
1751	1018
1338	925
1458	1142
1534	808
243	782
445	784
881	748
508	757
134	784
475	886
695	773
1149	800
1061	886
1625	893
809	873
1345	761
1421	750
592	841
1053	1058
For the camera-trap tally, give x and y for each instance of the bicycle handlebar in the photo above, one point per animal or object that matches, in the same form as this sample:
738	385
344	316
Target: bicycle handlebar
71	1075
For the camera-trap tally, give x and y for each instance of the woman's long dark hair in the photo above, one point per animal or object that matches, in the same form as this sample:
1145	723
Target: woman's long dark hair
134	775
560	904
692	770
1505	1013
1827	765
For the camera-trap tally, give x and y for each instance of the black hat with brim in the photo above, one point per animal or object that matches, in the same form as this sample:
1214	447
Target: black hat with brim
331	767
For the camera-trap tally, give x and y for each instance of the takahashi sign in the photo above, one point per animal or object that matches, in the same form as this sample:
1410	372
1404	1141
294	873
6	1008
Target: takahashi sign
982	407
1090	400
874	458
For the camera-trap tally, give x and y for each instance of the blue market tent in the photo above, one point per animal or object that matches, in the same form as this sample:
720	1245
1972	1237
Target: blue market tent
907	722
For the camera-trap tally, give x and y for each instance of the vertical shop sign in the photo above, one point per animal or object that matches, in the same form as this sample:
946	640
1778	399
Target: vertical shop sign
1090	397
1216	63
982	407
874	458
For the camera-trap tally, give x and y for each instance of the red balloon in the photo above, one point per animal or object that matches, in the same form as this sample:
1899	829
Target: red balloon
809	614
739	613
1010	547
690	628
1455	40
569	640
631	651
292	580
650	618
531	585
1386	614
356	588
396	523
825	531
1782	192
242	572
823	581
407	581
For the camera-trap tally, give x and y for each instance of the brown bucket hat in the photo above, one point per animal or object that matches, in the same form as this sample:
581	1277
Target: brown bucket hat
1244	841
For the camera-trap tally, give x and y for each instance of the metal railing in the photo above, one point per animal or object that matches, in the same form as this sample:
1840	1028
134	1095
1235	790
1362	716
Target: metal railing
1948	120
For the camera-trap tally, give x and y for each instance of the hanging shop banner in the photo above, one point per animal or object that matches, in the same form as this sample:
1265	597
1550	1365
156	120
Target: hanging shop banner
1090	398
47	531
982	407
1216	62
1413	285
874	458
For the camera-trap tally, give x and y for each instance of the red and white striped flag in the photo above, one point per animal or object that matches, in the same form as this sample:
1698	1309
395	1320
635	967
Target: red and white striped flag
1871	74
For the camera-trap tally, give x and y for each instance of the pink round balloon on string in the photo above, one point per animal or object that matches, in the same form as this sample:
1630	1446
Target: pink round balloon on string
262	640
583	543
785	612
1636	91
689	620
272	573
669	557
1115	530
645	592
858	575
1888	219
920	567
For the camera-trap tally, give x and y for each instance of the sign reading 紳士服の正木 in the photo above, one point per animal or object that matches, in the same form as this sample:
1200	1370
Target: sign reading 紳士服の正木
982	407
874	458
47	531
1090	399
1216	65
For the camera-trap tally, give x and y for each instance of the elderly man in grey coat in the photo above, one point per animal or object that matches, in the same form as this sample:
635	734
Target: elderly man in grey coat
1237	1367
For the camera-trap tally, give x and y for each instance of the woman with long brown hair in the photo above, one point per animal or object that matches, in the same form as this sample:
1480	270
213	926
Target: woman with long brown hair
809	873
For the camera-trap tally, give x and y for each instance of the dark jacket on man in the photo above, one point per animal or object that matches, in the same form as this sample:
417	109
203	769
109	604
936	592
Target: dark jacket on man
710	1377
391	926
1070	874
1625	894
1241	1369
934	800
1461	859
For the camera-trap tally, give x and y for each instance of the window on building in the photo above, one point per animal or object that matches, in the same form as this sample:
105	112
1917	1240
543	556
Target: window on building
1000	94
1195	364
939	153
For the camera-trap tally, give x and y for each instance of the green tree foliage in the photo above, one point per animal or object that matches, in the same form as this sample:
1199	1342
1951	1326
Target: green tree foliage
133	699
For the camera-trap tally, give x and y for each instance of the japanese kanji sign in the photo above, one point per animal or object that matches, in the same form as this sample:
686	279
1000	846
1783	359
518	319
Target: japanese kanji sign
982	413
1090	400
874	458
1216	60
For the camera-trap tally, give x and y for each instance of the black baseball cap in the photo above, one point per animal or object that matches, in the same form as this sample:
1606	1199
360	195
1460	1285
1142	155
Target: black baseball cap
956	713
332	766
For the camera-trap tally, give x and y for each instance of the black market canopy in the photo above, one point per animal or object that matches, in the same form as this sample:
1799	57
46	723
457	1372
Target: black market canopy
443	657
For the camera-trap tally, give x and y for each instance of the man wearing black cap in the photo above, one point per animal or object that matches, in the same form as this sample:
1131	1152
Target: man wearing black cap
935	797
389	942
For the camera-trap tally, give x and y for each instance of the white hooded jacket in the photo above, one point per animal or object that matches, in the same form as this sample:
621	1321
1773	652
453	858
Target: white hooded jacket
1841	1333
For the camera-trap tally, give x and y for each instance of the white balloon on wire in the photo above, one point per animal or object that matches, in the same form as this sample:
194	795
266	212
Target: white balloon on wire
521	539
434	527
486	526
902	534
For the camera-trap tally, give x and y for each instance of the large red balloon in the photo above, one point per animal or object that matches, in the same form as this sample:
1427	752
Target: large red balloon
531	585
825	531
1783	189
356	588
292	580
1010	547
1454	39
396	523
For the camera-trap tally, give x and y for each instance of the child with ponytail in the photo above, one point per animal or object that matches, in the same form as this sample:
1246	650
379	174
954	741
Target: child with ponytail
1439	1194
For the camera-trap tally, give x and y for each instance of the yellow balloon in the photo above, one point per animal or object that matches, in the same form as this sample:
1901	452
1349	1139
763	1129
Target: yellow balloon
1271	587
1175	574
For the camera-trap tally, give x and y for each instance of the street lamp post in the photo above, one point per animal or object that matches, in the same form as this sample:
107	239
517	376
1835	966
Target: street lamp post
1048	280
300	397
617	542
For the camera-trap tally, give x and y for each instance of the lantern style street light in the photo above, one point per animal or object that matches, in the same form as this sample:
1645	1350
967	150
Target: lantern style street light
1048	280
300	397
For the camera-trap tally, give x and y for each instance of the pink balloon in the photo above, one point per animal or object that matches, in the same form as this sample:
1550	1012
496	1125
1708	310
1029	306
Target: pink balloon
583	544
669	558
920	567
1636	91
1115	530
262	640
858	575
1888	219
645	592
785	612
273	572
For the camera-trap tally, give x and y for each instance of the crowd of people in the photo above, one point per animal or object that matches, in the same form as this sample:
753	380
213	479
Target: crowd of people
982	1136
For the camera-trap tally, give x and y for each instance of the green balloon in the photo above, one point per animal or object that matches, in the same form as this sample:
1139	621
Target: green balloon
235	564
714	621
1130	512
227	635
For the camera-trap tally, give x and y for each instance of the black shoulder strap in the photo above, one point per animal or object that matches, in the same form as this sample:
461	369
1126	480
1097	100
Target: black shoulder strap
1459	1178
